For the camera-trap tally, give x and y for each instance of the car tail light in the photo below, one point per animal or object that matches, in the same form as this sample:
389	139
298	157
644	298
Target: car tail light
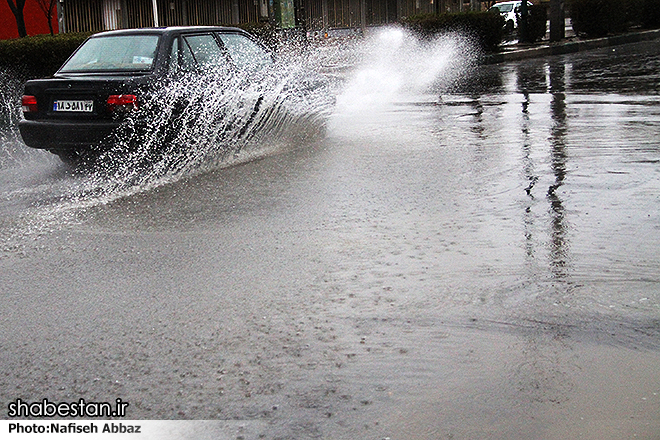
122	103
29	104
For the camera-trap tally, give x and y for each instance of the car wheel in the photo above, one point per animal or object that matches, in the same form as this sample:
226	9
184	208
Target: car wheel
69	157
75	158
509	26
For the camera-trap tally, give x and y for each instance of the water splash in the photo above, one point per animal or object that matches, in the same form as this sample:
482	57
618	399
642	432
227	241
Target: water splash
207	122
11	150
187	127
396	64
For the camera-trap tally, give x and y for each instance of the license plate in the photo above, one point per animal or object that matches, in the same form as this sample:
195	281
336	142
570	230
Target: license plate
83	106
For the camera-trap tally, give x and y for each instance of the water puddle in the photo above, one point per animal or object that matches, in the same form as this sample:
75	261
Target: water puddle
222	122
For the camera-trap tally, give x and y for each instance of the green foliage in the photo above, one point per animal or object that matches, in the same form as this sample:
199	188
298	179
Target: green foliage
40	55
487	28
276	38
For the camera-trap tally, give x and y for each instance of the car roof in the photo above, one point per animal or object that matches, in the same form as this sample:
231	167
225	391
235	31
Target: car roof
166	30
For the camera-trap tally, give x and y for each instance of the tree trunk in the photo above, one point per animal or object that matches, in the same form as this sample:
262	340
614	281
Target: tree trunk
49	16
50	25
51	6
17	10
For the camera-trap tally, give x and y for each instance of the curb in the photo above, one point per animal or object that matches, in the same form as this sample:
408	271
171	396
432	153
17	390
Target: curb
561	48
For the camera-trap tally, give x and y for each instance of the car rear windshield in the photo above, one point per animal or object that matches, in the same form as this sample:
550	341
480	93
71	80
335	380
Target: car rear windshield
118	53
504	8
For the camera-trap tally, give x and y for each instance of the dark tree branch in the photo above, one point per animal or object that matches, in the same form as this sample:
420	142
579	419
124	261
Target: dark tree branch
47	7
17	10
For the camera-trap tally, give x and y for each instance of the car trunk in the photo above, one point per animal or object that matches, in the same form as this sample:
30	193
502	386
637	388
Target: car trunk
71	98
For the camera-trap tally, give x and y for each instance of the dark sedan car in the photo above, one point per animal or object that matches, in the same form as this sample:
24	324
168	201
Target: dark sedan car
113	73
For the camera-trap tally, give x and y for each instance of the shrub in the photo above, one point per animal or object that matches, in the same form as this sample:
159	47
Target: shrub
487	28
40	55
597	18
537	18
644	13
650	13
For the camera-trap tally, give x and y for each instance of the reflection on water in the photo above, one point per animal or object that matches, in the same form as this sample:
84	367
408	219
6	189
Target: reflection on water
559	158
585	152
524	199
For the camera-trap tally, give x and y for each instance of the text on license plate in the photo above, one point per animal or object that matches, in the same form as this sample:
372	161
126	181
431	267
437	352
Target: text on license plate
73	106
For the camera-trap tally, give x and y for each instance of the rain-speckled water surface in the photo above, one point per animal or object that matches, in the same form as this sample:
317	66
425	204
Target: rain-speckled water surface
462	252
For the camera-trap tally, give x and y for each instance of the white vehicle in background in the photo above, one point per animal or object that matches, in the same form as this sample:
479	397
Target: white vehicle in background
509	10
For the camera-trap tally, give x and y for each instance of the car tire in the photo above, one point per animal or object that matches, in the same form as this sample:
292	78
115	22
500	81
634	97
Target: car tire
76	158
510	25
69	157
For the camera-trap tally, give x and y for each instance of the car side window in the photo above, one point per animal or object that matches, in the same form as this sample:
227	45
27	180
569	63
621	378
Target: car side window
244	52
174	57
181	57
186	59
197	52
206	51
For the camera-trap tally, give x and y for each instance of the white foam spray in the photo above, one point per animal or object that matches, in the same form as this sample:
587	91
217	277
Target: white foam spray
396	65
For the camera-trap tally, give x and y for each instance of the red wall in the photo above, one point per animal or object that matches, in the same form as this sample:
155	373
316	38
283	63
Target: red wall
35	20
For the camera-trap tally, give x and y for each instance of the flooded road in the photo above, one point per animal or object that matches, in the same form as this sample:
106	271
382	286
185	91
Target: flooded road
470	253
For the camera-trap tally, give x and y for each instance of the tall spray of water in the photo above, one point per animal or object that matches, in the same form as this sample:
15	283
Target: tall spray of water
11	148
203	122
395	64
200	123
